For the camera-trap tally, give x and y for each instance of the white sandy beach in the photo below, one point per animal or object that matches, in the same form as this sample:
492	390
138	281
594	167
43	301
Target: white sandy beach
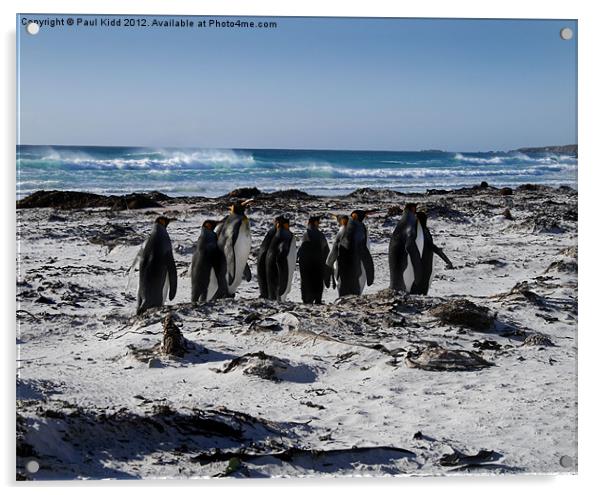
97	398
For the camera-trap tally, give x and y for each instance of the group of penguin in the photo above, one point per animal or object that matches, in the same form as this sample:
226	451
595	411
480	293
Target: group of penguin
219	263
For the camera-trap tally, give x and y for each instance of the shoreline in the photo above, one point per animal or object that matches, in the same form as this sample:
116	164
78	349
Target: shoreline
68	199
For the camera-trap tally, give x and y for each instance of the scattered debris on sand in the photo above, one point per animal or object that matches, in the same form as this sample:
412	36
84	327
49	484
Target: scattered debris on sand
464	313
436	358
538	340
259	364
246	387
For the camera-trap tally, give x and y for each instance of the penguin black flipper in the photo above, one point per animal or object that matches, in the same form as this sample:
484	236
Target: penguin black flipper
247	273
200	281
439	252
368	263
282	263
261	263
231	259
220	269
173	275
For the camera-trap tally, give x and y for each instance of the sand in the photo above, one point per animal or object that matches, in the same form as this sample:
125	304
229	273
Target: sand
287	389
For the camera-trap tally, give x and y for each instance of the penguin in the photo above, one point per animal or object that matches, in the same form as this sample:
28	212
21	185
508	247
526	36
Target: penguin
331	261
158	276
355	267
234	241
427	256
367	263
208	266
261	257
405	251
312	257
280	261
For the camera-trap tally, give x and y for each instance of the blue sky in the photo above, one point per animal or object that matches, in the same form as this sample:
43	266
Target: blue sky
313	83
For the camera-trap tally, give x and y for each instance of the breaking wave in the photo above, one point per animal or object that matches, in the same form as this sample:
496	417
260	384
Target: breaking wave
213	172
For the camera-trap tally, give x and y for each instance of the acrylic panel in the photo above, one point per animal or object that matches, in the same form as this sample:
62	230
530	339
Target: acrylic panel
292	247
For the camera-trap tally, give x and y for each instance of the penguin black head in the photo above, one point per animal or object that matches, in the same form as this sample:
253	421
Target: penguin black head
411	207
162	220
358	215
210	224
239	207
342	220
421	215
282	222
314	221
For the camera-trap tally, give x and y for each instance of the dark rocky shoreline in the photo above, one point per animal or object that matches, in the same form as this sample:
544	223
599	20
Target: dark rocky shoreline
69	200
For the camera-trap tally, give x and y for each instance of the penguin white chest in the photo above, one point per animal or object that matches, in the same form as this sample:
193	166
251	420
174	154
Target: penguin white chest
291	260
420	239
242	248
408	275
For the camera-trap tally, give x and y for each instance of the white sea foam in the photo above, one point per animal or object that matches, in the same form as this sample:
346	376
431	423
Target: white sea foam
147	159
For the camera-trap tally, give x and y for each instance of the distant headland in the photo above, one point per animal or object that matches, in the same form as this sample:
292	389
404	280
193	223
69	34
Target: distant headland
566	148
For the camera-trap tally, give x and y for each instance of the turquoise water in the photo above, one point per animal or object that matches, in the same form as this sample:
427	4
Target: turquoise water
213	172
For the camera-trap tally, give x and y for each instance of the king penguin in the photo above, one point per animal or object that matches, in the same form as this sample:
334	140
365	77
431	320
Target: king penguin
312	263
427	256
234	241
208	266
280	261
261	257
405	251
355	267
158	276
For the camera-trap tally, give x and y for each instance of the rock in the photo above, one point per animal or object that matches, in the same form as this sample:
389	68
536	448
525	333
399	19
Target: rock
507	215
244	192
483	185
66	200
464	313
529	187
134	201
62	200
45	300
506	191
288	194
436	358
154	363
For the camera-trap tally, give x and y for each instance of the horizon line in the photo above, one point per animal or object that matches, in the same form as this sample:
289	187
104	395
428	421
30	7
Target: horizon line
432	150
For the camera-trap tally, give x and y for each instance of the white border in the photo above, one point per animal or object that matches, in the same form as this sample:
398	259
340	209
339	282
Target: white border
590	165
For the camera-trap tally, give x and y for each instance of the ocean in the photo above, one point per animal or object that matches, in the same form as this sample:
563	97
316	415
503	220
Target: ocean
213	172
